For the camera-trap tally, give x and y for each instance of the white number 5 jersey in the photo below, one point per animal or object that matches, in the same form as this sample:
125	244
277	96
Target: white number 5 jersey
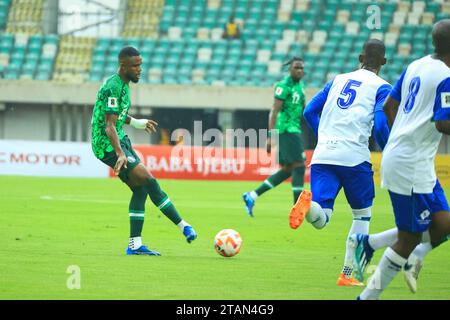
347	118
408	159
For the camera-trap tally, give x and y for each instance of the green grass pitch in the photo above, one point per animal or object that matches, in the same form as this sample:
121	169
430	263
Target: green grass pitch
49	224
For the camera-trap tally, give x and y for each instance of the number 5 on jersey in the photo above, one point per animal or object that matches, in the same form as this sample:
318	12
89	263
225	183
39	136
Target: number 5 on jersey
348	94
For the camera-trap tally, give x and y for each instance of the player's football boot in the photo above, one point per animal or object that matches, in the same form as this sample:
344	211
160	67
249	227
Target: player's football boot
347	282
362	254
142	250
249	203
300	209
189	233
411	272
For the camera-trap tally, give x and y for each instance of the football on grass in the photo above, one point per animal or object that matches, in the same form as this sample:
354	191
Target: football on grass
228	242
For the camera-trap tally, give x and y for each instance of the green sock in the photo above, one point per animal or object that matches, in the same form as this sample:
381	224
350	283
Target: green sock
137	211
298	180
162	201
271	182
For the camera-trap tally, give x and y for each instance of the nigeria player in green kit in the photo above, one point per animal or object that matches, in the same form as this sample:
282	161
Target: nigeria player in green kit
285	117
112	146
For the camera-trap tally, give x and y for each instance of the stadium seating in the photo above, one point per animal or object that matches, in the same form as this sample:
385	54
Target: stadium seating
328	34
319	31
27	57
25	16
142	18
4	10
181	40
73	62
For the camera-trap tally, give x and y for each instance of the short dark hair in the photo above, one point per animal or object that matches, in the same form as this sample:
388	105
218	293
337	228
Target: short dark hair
128	52
374	51
292	60
441	37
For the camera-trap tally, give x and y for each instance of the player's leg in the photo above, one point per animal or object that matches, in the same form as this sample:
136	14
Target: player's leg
384	239
437	234
298	179
297	160
317	205
411	222
365	245
268	184
440	217
137	202
139	176
439	228
359	190
289	152
137	216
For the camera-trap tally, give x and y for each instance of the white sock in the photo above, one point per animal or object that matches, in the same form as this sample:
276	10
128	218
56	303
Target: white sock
383	239
390	264
253	195
317	216
426	237
422	250
135	243
182	224
361	222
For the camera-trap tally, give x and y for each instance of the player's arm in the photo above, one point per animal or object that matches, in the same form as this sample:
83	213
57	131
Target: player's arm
281	94
390	109
314	108
443	127
441	110
381	128
144	124
392	102
111	132
276	107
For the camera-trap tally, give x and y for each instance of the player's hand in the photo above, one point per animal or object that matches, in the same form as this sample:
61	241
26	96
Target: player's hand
120	163
151	126
269	146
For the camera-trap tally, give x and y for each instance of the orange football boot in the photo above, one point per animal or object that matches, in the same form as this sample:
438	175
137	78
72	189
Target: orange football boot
347	282
300	209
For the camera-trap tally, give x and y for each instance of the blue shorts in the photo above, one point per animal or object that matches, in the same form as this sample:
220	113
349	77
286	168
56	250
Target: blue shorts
413	213
327	180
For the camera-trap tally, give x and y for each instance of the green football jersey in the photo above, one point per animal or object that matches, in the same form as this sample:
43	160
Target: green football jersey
112	98
293	95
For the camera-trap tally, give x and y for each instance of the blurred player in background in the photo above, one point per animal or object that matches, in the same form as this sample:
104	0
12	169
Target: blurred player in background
342	116
419	109
112	146
285	117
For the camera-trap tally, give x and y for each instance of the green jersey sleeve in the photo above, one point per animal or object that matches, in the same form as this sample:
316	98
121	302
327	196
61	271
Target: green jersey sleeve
281	92
111	99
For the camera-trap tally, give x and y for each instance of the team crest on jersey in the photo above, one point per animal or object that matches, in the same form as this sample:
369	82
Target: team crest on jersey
112	102
445	99
278	91
425	214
